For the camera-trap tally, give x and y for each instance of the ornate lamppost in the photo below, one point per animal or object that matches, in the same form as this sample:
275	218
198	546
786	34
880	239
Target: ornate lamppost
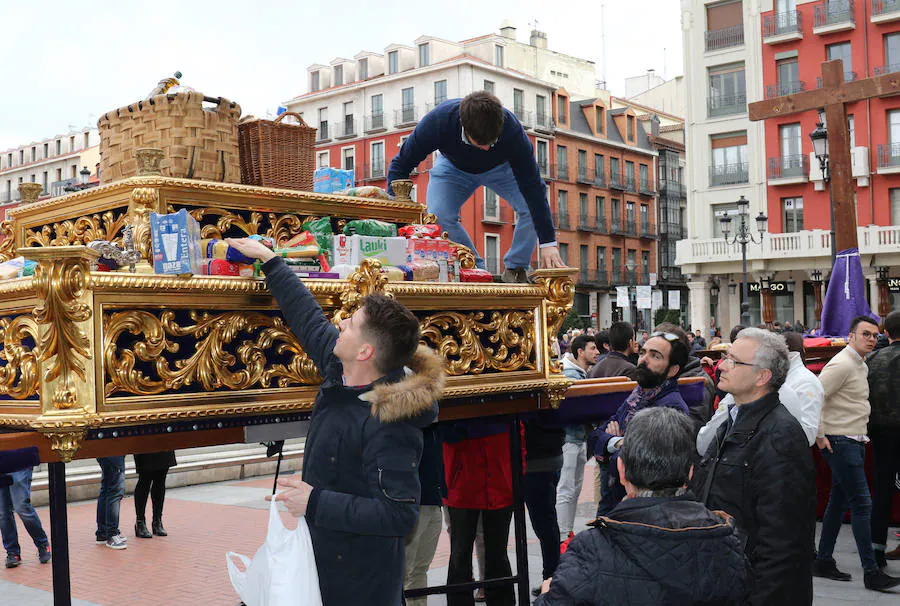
744	236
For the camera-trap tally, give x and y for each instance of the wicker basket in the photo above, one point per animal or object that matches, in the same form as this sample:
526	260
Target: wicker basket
277	155
197	143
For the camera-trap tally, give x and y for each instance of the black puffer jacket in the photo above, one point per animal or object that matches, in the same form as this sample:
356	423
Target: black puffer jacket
652	551
760	470
884	388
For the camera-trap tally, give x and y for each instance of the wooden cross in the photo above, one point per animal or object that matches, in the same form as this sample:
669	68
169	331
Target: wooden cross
834	96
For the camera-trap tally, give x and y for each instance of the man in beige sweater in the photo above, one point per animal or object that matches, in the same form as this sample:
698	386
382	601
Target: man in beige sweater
842	440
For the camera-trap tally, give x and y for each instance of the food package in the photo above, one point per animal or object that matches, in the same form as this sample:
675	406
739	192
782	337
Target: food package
16	268
421	249
265	240
453	266
351	250
370	227
366	191
214	248
321	275
393	274
475	275
443	260
304	238
421	271
176	243
420	231
328	180
221	267
321	229
308	251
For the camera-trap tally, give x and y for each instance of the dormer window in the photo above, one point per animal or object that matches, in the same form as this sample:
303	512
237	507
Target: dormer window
314	82
338	75
393	62
562	109
424	54
631	128
363	69
498	55
600	119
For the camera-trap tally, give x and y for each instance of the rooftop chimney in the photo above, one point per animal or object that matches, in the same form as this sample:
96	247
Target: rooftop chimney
508	30
538	39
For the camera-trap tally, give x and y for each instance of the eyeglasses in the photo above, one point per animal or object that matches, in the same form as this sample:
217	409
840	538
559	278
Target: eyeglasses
729	361
868	335
668	336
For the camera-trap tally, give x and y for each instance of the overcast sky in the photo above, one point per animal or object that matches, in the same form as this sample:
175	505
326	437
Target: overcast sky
66	63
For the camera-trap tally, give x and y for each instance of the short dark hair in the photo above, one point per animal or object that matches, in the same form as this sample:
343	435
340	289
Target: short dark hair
620	334
481	114
681	351
393	330
892	325
601	339
859	320
734	332
659	450
580	342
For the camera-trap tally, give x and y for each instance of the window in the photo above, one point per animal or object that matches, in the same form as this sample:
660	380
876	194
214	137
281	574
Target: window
629	214
617	260
408	105
440	92
349	126
313	87
894	127
629	174
852	126
582	164
491	205
519	103
424	54
44	182
22	155
540	109
645	177
645	264
564	252
323	159
599	120
492	253
74	172
33	154
562	204
71	144
582	207
58	147
498	55
727	90
376	152
393	62
841	51
338	75
722	16
348	158
583	257
323	123
363	69
599	169
729	159
600	209
87	140
791	154
616	213
792	213
601	260
377	118
645	219
562	106
894	194
46	150
59	174
562	162
631	133
891	52
489	86
614	174
541	149
788	76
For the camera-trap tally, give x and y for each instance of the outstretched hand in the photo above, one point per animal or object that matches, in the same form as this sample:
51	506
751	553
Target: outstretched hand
550	257
251	248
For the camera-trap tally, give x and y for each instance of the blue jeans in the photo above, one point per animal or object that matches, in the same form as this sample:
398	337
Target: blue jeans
448	190
848	487
17	498
112	489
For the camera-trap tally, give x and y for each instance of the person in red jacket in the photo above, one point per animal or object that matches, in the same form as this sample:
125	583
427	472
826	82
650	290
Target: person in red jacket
478	474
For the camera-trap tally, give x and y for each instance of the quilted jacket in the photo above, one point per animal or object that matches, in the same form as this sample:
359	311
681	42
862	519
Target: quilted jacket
652	551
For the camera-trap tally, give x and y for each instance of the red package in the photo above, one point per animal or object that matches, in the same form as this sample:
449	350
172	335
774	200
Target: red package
221	267
304	238
475	275
420	231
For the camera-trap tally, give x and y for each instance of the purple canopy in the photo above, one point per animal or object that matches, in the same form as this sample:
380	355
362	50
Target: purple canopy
845	298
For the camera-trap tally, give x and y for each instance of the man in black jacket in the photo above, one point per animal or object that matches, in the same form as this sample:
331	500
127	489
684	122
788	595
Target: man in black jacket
658	546
884	431
760	470
360	489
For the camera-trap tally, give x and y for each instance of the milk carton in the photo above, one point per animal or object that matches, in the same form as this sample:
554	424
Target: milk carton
328	180
176	243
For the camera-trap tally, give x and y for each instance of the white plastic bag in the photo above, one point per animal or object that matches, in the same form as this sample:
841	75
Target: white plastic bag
283	571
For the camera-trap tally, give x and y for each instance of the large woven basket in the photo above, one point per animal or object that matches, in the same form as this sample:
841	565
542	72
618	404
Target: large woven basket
198	142
276	154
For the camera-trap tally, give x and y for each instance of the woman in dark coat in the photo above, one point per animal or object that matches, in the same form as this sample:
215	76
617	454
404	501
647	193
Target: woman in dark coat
152	470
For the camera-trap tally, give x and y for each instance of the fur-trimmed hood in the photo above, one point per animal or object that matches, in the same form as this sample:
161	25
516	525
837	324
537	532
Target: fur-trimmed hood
413	397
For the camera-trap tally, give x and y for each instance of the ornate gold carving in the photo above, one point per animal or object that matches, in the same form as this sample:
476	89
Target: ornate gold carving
365	280
66	443
429	219
402	188
105	226
19	377
465	255
30	192
560	290
148	161
143	201
8	243
458	338
280	227
211	364
556	392
198	412
60	281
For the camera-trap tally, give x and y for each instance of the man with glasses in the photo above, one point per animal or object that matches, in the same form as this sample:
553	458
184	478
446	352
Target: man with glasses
842	441
660	360
760	470
482	144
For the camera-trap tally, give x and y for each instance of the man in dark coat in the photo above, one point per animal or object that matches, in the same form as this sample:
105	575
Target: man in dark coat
617	362
360	489
760	470
658	546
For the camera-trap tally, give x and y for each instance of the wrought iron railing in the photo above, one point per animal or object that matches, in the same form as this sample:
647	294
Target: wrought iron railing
785	167
834	12
725	38
788	87
881	7
729	174
889	155
725	105
788	22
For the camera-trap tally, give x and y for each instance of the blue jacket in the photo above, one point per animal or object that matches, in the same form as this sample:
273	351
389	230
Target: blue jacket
361	456
441	130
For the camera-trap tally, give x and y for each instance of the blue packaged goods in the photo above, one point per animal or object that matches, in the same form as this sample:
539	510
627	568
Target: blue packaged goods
328	180
176	243
218	249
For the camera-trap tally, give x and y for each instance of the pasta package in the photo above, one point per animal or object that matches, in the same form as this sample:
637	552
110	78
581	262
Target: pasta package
420	231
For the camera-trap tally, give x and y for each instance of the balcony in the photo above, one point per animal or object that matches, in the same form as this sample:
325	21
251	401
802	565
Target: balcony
789	87
648	230
524	117
544	168
617	228
583	223
375	122
884	11
406	116
492	264
671	231
322	133
725	105
562	221
672	189
582	175
785	170
889	159
562	172
543	122
849	76
630	227
834	16
646	188
374	172
729	174
631	276
727	37
616	181
617	275
630	184
599	276
600	225
783	27
890	68
346	129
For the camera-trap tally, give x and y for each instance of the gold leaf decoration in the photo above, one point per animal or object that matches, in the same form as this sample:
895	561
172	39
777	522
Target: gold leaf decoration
211	365
144	200
8	243
80	230
19	377
560	293
365	280
460	339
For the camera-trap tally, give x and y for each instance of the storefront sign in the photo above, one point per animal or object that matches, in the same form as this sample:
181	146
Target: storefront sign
643	297
674	299
775	288
894	284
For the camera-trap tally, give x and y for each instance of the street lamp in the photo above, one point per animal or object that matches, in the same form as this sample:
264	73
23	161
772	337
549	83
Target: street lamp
819	137
744	236
85	175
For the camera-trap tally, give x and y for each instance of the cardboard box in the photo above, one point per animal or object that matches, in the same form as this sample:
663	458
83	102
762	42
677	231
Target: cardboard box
328	180
351	250
176	243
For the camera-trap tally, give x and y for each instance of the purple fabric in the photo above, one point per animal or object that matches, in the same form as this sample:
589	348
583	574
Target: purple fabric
845	298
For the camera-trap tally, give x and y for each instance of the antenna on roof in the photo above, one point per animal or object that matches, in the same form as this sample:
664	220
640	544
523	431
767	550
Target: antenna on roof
665	75
603	42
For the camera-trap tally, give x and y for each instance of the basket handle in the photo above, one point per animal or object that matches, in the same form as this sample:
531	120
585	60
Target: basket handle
296	115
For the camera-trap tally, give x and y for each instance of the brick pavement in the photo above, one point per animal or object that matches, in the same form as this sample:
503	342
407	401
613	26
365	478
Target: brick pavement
205	521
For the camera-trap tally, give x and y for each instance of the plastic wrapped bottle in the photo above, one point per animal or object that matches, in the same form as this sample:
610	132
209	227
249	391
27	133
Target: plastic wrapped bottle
164	85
